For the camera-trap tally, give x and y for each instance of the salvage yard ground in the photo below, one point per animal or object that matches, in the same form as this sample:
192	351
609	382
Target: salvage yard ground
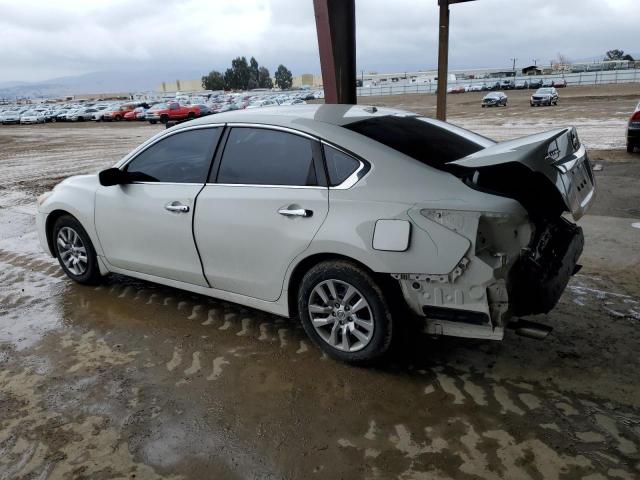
135	380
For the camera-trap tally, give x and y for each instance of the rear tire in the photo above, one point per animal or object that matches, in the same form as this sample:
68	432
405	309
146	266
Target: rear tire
74	251
345	301
630	147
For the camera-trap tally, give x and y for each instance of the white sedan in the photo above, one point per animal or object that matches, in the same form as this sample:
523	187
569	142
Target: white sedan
347	217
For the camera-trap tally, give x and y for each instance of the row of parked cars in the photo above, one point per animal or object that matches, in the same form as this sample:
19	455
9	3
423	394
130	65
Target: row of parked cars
509	85
543	96
181	108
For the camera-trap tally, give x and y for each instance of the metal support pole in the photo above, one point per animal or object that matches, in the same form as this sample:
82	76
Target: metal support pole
443	60
336	27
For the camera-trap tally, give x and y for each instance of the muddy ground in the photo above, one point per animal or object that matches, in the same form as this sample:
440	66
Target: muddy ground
135	380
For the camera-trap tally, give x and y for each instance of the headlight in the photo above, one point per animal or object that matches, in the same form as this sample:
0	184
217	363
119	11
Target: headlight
42	198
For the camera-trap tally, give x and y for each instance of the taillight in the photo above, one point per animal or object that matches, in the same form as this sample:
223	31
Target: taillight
636	116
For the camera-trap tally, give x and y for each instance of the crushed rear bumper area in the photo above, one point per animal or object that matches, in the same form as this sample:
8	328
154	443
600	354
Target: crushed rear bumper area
539	277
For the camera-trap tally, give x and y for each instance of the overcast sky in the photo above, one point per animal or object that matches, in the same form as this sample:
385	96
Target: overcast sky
42	39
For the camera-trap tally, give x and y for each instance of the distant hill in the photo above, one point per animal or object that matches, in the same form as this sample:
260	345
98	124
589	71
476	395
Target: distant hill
126	81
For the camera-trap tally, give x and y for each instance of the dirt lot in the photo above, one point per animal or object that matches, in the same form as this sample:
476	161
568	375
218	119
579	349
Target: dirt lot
135	380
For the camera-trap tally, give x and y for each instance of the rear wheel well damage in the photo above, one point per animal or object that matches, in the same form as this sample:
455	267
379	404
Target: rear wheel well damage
389	286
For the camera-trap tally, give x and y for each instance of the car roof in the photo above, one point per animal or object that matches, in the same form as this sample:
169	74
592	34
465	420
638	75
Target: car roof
300	116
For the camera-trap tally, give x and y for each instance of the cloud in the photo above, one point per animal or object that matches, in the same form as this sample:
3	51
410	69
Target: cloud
42	39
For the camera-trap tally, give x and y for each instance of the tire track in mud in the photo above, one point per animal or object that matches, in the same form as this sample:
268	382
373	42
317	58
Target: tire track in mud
604	436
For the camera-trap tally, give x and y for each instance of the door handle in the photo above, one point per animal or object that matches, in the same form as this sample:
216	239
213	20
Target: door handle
295	212
177	207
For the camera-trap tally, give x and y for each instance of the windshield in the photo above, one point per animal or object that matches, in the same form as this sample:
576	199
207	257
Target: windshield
427	141
160	106
492	95
545	90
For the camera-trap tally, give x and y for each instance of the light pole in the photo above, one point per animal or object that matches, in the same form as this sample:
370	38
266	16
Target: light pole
443	56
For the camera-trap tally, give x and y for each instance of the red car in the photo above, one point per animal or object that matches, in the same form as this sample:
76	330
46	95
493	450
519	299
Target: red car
560	83
138	113
163	112
116	113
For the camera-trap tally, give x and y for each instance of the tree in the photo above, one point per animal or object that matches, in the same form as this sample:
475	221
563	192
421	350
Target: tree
614	54
213	81
264	78
237	77
284	79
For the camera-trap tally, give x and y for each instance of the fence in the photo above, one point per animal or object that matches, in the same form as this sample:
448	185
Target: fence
582	78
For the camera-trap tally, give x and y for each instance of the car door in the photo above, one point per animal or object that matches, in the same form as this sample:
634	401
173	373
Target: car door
268	200
146	226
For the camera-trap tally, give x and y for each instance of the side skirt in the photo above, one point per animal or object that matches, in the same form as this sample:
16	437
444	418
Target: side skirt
278	308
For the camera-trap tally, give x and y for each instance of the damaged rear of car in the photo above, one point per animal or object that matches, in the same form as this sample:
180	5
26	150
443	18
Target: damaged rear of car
518	261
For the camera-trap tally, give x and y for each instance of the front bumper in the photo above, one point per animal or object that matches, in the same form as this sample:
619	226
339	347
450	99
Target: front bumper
41	223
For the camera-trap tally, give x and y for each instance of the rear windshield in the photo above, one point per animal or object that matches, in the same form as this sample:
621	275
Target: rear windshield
420	139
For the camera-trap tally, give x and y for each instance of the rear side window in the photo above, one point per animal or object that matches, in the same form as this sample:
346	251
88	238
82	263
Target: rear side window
258	156
340	166
418	138
180	158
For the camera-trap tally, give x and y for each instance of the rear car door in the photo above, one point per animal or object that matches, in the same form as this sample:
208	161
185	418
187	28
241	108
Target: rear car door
260	210
146	226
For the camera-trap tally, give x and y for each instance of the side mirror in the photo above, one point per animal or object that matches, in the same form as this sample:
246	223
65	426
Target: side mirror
112	176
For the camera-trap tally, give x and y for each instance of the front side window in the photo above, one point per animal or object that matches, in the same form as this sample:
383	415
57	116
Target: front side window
340	166
259	156
180	158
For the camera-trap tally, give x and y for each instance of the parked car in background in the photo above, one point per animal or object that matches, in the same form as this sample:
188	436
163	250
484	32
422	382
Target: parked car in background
521	85
544	96
338	239
547	82
81	114
116	113
100	111
559	83
633	130
61	115
10	116
535	83
204	109
138	113
507	84
494	99
32	116
456	89
163	112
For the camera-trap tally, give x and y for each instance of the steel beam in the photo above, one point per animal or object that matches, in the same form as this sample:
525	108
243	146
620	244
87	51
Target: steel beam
443	60
336	27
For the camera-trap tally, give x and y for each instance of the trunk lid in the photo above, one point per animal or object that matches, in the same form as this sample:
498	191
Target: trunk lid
548	172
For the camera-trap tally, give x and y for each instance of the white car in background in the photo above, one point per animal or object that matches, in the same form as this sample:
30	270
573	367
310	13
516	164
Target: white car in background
32	116
82	114
10	116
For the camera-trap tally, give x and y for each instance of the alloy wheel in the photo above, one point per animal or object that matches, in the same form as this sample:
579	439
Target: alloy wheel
341	315
72	251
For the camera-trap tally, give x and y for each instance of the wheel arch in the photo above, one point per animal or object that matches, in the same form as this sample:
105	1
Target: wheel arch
388	285
50	222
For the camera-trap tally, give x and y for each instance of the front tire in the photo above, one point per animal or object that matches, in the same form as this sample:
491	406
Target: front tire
75	252
345	312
